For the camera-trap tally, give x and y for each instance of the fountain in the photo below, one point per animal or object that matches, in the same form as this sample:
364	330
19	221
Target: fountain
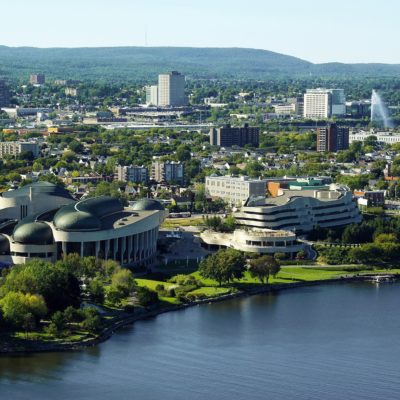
379	112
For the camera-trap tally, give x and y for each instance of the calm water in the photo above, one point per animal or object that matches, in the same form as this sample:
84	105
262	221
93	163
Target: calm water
326	342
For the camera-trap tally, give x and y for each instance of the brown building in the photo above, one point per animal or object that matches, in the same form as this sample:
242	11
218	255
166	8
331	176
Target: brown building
332	138
228	136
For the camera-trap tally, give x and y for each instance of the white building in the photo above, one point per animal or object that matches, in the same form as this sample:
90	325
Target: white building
16	148
323	103
262	241
235	190
171	89
152	95
301	211
381	137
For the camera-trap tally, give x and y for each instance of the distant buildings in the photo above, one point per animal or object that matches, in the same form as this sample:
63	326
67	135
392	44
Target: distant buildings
170	91
152	95
167	172
37	79
358	109
73	92
234	190
15	148
381	137
228	136
5	96
294	106
332	138
323	103
132	173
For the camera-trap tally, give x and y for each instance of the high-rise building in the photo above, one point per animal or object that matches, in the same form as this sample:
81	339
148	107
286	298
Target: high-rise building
317	103
37	79
228	136
171	89
152	95
338	102
5	96
167	172
332	138
132	173
323	103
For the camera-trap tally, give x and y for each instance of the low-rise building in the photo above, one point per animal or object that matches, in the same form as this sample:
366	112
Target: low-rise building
234	190
301	211
262	241
385	137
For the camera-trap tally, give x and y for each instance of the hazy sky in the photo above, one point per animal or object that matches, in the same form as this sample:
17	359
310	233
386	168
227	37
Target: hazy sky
315	30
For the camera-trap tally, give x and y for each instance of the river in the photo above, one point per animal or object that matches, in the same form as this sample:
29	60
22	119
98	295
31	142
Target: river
337	341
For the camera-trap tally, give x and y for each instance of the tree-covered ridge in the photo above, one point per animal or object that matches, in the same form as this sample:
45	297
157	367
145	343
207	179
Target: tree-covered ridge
141	63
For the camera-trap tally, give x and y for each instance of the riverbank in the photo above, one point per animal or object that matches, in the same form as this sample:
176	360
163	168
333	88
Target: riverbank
33	346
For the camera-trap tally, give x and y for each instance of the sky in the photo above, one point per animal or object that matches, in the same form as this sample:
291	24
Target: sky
314	30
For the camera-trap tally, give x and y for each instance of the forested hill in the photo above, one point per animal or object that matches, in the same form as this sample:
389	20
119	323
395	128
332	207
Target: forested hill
144	63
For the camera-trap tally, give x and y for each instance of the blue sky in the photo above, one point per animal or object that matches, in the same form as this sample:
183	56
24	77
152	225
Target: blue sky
315	30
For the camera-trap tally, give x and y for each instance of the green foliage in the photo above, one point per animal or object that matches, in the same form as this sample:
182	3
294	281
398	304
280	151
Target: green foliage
146	297
58	287
223	266
262	267
96	290
17	307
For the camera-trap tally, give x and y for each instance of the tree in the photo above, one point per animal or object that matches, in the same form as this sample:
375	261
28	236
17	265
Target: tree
58	287
123	280
262	267
223	266
96	290
146	297
16	306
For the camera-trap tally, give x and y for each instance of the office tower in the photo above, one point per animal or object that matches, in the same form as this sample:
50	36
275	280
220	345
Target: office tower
5	96
37	79
228	136
332	138
167	172
152	95
317	103
323	103
171	89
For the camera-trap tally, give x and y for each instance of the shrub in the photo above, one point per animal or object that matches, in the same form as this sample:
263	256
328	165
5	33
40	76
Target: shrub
146	297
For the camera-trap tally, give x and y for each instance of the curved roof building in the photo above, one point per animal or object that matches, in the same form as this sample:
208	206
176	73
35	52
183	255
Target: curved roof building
99	227
32	199
301	211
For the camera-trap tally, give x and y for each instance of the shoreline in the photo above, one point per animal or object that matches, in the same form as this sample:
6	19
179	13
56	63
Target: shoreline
108	332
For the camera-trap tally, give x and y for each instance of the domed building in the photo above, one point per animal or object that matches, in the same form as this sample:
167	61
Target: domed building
32	199
99	227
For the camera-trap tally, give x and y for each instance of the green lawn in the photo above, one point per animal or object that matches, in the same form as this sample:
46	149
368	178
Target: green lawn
152	284
210	291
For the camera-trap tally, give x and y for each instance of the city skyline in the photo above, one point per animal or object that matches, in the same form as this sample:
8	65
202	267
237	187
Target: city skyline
351	33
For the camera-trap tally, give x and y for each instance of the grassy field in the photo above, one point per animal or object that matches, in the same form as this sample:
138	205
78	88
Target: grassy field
210	288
